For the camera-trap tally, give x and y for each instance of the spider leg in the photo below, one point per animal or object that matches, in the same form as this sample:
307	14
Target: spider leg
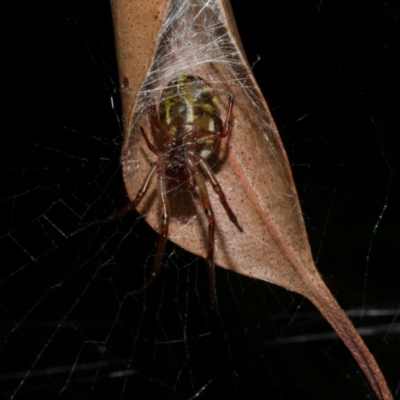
149	144
208	210
164	225
218	190
157	122
130	206
205	137
227	125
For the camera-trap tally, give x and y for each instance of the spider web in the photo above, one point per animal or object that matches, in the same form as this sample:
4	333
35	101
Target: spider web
68	328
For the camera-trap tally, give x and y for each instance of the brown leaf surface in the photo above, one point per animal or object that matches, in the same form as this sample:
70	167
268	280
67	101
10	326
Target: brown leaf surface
251	166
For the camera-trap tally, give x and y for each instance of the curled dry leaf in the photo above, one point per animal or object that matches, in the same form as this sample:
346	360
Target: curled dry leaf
159	40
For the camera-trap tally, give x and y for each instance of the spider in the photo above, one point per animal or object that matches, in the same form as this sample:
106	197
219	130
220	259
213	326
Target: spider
190	125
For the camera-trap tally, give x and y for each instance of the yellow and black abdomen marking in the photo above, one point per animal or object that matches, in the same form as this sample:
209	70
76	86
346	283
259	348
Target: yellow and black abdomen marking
188	104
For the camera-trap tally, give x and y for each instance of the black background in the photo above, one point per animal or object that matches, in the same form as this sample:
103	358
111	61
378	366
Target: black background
331	76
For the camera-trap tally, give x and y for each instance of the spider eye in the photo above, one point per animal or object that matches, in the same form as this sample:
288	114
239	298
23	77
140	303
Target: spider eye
174	171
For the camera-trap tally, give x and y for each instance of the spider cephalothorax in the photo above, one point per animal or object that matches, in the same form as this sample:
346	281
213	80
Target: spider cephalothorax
189	123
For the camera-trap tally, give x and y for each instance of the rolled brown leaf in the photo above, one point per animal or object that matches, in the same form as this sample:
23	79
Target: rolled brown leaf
159	40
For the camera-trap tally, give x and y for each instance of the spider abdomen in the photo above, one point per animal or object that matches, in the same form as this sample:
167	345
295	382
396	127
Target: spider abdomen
189	107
